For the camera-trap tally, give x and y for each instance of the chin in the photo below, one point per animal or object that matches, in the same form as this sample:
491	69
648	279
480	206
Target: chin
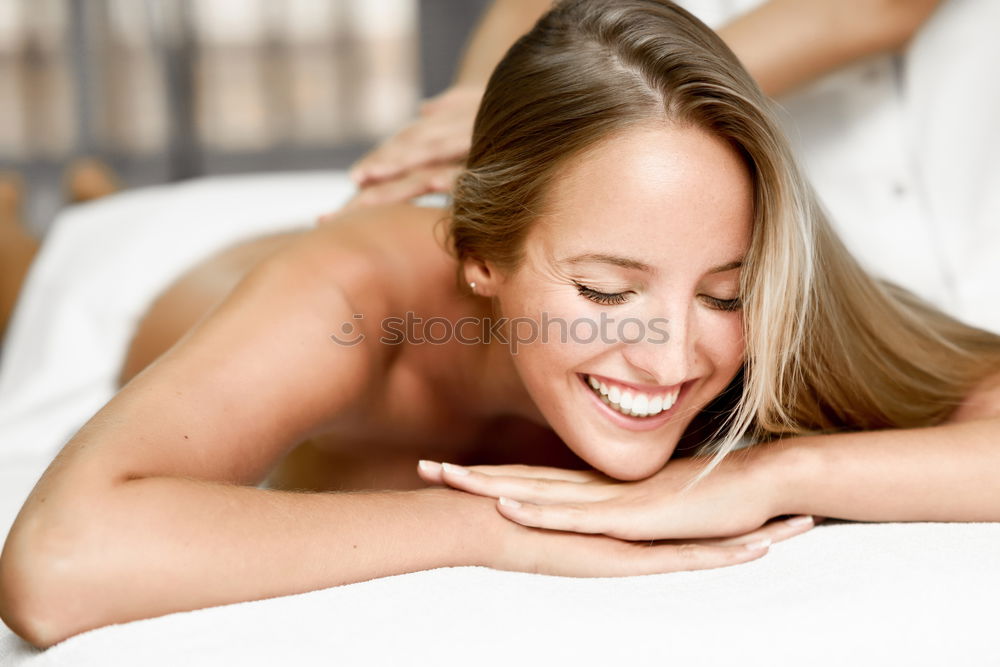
626	468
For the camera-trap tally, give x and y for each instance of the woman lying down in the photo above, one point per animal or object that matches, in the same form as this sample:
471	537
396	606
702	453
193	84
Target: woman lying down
657	356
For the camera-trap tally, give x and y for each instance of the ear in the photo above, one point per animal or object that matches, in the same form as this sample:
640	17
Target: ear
484	273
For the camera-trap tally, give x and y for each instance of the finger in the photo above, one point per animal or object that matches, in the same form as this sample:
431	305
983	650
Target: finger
575	518
777	531
430	471
453	147
432	141
442	179
521	470
528	489
421	142
609	557
430	153
404	188
327	218
382	163
682	557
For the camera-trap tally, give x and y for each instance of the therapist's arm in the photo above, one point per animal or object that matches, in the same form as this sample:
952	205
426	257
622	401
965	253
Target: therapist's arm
787	43
782	43
501	24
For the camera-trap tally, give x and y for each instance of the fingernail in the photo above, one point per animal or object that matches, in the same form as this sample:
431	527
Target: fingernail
759	544
800	520
509	502
454	469
429	466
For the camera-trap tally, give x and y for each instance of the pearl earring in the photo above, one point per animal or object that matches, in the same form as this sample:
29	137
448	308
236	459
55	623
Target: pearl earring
472	285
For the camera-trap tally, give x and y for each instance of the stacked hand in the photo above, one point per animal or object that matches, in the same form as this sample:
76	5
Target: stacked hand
423	157
584	523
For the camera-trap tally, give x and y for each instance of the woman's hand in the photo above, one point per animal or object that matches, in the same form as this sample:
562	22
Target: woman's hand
566	552
729	506
423	157
569	554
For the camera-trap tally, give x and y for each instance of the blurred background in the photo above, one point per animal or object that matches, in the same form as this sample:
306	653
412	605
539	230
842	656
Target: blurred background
164	90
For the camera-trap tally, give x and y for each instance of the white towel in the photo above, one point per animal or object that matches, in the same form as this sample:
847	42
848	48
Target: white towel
841	594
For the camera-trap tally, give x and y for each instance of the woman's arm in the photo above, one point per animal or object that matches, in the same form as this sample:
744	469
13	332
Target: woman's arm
947	472
500	25
150	508
162	544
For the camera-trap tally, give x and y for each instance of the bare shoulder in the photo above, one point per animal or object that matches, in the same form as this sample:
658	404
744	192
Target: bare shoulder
983	402
384	258
258	373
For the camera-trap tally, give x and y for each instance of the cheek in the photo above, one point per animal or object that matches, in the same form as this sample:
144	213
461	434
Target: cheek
726	344
552	334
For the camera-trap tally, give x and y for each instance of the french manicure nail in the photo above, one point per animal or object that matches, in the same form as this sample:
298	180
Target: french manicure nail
759	544
800	520
509	502
429	466
454	469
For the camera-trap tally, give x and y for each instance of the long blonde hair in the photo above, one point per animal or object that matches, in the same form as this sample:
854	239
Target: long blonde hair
828	347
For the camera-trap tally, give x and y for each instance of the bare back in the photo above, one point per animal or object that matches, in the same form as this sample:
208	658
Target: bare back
424	403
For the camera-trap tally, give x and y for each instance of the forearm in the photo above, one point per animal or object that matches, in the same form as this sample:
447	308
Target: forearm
500	26
938	473
160	545
786	43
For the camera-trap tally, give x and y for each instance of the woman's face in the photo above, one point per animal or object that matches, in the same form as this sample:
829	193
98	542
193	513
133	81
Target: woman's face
632	272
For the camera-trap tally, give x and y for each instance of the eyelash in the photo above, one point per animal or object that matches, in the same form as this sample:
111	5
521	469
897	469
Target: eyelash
618	298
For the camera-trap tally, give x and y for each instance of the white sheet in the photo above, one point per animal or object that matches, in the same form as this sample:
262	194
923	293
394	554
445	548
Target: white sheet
848	594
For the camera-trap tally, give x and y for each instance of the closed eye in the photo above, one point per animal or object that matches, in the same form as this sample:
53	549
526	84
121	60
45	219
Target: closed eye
602	298
618	298
724	304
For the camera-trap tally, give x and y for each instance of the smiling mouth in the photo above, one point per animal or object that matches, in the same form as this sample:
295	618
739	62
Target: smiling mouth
631	403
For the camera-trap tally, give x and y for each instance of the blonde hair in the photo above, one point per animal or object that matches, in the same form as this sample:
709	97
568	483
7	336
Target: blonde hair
828	347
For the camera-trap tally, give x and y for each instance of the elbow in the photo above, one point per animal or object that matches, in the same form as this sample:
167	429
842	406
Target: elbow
20	607
37	598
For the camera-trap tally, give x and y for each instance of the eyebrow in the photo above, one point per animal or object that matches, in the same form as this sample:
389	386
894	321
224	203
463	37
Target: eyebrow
629	263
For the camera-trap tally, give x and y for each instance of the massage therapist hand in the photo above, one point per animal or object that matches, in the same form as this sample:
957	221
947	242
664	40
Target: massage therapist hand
632	529
423	157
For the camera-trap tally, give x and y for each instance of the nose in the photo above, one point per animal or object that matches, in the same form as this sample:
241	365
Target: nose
665	354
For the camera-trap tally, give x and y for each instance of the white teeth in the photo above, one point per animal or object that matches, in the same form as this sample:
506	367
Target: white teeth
669	400
634	404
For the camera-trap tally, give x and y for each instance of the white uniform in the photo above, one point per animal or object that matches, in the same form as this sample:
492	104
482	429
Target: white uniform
904	152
